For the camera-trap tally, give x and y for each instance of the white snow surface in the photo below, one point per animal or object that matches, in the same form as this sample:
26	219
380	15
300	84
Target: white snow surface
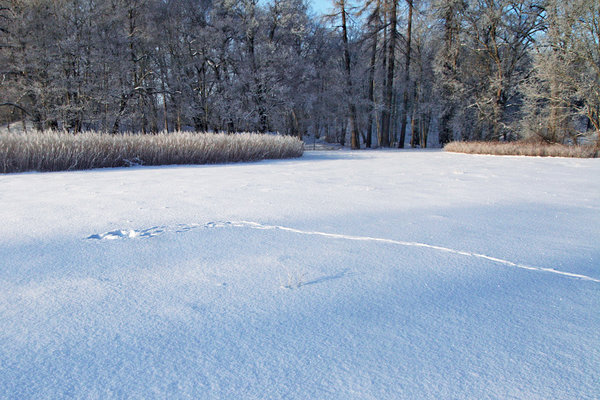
339	275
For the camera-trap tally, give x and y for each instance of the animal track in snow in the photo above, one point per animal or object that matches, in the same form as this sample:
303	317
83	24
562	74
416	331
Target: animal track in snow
157	230
130	233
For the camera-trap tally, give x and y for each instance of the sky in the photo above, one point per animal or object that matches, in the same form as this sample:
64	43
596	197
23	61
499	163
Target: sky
320	6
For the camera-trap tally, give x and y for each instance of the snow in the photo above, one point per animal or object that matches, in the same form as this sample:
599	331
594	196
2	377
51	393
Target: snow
371	275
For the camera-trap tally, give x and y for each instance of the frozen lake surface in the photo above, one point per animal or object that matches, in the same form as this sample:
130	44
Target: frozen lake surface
339	275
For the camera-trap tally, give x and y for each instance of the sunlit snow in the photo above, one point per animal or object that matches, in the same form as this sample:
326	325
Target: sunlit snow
339	275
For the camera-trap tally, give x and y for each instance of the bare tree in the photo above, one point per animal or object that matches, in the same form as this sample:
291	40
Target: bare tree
501	36
373	9
447	64
563	95
386	116
343	14
406	79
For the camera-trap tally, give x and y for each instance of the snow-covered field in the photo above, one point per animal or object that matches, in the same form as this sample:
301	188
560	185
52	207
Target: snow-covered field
340	275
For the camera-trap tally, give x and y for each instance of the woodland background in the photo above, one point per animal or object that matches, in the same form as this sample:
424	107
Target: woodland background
374	73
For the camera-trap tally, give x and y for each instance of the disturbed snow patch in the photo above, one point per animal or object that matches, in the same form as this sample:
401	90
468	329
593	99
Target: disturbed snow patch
128	233
141	233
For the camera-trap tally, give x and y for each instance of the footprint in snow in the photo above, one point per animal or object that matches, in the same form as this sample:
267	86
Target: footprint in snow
128	233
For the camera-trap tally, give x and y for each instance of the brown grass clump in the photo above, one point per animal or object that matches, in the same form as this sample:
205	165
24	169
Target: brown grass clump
521	148
61	151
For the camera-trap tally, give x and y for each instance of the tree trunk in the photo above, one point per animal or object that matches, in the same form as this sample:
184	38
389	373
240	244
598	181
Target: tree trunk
165	109
383	128
372	86
449	62
425	129
406	75
389	89
117	123
414	123
294	126
355	142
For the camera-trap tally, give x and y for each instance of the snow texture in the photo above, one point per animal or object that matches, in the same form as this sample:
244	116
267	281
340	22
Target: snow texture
339	275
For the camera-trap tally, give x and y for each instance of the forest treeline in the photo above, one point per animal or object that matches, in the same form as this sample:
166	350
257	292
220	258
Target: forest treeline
378	72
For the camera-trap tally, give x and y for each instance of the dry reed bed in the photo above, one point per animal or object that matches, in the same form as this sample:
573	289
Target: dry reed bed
60	151
523	149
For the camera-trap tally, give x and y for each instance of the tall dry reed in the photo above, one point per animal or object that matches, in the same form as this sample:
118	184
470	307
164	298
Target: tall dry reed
60	151
523	149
